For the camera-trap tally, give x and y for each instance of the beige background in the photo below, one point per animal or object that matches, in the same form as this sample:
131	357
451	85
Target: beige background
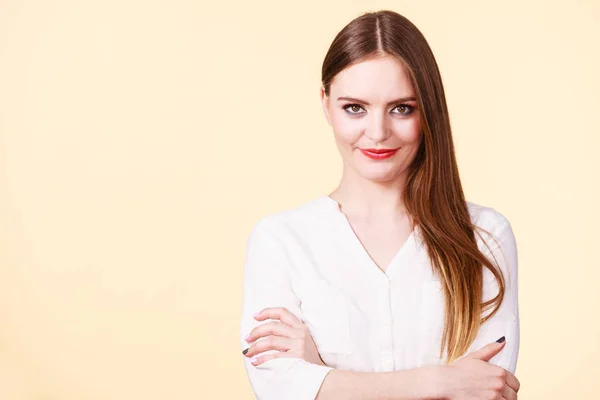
141	140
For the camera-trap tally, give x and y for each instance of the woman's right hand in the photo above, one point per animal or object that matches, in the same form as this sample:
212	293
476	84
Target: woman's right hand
473	378
286	333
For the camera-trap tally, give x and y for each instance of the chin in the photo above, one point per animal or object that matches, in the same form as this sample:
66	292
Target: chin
378	173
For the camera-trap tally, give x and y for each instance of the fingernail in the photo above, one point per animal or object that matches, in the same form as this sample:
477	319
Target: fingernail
246	338
245	351
253	360
256	315
501	340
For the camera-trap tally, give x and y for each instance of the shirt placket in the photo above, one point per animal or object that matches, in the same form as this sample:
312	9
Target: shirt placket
386	323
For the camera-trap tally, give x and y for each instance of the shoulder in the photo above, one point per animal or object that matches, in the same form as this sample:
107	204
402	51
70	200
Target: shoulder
492	229
295	220
487	217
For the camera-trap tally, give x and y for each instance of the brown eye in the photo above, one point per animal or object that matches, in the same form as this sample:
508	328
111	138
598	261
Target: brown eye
353	109
404	109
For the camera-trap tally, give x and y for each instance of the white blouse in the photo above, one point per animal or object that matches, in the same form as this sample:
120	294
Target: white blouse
309	260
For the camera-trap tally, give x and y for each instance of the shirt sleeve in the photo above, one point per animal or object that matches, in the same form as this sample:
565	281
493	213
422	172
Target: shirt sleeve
267	284
506	321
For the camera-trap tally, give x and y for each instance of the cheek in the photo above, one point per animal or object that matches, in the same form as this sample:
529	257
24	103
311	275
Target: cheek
345	129
409	131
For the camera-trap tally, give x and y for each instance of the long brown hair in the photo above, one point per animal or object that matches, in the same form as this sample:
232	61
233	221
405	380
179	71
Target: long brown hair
433	195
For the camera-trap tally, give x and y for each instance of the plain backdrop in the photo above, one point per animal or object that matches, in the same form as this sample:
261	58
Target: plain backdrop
141	140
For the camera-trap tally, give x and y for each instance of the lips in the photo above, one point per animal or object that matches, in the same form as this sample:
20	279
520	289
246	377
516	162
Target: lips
378	154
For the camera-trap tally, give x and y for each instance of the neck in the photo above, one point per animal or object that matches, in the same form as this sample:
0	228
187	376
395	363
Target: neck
369	199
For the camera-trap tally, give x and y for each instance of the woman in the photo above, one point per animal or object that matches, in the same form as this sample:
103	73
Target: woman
393	285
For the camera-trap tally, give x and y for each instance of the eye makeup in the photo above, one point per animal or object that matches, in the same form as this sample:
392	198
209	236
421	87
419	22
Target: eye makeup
408	109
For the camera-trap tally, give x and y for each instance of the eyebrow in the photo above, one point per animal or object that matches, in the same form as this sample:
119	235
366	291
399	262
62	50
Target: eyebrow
400	100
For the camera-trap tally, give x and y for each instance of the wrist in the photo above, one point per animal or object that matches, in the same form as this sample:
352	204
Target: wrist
436	382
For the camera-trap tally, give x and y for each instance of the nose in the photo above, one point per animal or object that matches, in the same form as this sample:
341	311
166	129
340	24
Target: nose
377	130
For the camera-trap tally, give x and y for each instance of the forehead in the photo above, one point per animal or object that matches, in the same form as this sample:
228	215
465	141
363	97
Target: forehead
375	78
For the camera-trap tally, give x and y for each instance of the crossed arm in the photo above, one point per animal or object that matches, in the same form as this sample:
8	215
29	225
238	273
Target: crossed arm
291	376
291	339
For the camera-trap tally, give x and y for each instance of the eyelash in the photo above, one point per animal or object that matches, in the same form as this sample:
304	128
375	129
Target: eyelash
410	109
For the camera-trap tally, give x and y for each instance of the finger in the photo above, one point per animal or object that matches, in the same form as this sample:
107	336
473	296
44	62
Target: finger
509	393
487	352
269	343
512	381
270	328
280	313
272	356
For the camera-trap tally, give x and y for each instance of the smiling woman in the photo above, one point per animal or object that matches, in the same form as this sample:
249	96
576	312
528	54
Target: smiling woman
356	105
393	285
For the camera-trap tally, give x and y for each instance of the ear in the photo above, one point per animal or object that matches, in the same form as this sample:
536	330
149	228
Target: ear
325	104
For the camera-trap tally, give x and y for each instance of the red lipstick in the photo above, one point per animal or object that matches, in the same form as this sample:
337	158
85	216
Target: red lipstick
378	154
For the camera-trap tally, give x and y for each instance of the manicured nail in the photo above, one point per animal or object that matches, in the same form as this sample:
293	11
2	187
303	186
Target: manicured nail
245	351
256	315
501	340
253	360
246	338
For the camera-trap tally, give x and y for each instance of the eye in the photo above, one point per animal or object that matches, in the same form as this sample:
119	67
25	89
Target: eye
354	107
404	109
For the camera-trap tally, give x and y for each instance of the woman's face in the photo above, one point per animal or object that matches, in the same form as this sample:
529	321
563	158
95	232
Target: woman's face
372	105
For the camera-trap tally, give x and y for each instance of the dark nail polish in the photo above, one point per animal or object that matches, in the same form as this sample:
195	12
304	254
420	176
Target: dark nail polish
501	340
245	351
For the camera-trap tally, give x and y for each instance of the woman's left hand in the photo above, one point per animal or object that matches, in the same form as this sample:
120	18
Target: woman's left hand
290	336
